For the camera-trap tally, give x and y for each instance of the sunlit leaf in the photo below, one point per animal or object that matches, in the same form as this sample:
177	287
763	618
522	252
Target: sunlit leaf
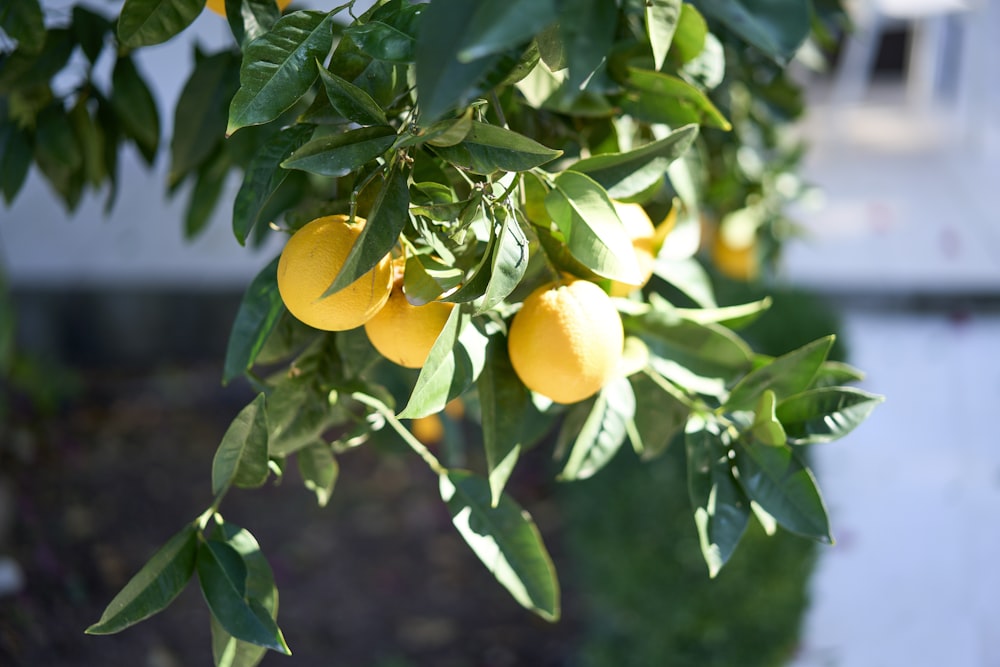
488	148
508	264
505	539
766	427
776	27
662	17
662	98
825	414
786	375
350	101
659	415
340	154
603	432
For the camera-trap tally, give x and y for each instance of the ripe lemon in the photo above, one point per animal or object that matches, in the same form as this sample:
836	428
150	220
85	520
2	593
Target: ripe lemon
642	234
428	430
566	340
311	260
219	6
404	333
735	255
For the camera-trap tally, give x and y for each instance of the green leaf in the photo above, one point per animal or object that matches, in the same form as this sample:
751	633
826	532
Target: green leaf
383	42
587	31
784	487
592	229
508	264
154	586
350	101
58	154
25	68
688	276
222	574
91	30
662	98
279	67
825	414
135	107
788	374
702	357
24	21
503	400
505	539
90	139
766	428
298	415
241	458
226	649
249	19
731	317
453	365
443	81
148	22
659	415
488	148
603	431
499	25
776	27
721	510
259	312
200	114
340	154
833	373
262	178
15	160
385	223
689	36
205	193
319	470
627	174
662	17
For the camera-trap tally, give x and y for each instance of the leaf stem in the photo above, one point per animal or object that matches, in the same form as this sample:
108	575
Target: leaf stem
403	432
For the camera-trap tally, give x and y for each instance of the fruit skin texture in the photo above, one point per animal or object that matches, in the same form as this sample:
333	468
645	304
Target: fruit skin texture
566	341
219	6
311	260
641	232
404	333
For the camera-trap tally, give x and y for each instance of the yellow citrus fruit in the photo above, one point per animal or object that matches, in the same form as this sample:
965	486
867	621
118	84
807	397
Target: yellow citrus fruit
428	430
566	340
219	6
311	260
404	333
735	260
642	234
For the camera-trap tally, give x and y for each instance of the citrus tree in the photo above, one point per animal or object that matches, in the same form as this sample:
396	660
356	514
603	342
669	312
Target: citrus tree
498	205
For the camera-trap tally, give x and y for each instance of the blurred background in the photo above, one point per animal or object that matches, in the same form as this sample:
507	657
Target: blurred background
122	323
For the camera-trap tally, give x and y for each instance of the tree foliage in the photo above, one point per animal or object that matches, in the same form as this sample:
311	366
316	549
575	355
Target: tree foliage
485	142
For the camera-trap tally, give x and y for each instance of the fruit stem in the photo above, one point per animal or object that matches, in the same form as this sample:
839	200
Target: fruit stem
403	432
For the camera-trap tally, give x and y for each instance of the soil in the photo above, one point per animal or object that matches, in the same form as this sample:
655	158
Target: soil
378	578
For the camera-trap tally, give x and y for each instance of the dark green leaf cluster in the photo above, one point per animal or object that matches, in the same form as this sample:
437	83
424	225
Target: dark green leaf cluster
490	146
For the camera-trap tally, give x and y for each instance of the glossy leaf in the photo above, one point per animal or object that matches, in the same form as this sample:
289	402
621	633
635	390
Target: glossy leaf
154	586
241	458
489	148
503	401
259	312
662	17
627	174
135	107
508	264
382	229
689	36
279	67
383	41
776	27
825	414
505	539
200	114
784	487
222	574
319	470
788	374
603	431
226	649
453	365
593	232
262	178
340	154
443	81
24	21
689	276
350	101
501	24
721	510
249	19
833	373
662	98
766	427
148	22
